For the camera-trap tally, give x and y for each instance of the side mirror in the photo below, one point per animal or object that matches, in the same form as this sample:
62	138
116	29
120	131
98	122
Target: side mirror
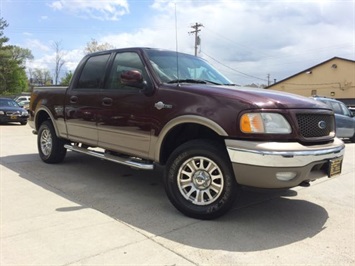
134	78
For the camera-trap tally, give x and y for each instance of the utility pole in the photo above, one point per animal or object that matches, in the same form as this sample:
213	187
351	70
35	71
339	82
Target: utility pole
196	28
268	79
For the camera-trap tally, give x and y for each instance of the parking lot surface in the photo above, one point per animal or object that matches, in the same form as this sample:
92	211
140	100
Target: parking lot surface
86	211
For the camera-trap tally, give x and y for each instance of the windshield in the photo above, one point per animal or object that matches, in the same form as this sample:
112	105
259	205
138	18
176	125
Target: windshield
8	103
174	67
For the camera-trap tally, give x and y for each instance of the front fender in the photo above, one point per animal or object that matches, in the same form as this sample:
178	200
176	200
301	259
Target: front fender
193	119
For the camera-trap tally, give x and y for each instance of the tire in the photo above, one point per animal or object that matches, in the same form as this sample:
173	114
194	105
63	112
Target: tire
352	139
24	123
199	180
50	147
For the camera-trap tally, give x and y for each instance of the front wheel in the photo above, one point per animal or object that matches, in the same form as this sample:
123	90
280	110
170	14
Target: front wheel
199	180
50	147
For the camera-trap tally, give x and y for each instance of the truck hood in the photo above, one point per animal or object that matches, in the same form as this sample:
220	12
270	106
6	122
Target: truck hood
256	98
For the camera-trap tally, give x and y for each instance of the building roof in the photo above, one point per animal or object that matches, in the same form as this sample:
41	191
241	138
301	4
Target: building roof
309	69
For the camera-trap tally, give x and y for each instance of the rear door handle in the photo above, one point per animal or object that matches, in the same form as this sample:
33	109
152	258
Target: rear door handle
107	101
73	99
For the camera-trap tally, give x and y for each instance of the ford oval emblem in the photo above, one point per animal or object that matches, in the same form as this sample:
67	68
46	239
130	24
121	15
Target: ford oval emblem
322	124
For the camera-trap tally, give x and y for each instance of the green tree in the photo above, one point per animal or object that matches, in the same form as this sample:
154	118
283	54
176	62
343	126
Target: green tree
4	54
13	77
66	79
20	55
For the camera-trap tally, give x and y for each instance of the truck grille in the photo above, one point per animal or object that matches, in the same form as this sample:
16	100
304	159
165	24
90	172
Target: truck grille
315	125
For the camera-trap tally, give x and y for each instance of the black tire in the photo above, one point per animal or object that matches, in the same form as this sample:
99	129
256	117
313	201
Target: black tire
207	191
50	147
352	139
24	123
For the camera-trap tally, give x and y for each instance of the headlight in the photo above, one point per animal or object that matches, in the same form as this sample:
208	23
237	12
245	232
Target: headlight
2	112
266	123
24	113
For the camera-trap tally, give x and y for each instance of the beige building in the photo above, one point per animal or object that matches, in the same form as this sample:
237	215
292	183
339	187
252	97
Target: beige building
334	78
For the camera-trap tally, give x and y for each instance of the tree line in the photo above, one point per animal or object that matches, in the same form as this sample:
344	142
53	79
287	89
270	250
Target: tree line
15	78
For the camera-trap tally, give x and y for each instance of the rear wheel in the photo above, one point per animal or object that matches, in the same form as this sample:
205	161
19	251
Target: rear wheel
199	180
50	147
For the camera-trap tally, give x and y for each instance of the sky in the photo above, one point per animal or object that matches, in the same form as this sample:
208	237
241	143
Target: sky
252	41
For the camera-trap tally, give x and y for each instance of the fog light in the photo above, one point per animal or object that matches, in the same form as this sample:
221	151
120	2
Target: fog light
285	176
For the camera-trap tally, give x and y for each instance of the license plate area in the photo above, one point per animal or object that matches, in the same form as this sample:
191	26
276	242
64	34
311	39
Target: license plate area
13	117
334	167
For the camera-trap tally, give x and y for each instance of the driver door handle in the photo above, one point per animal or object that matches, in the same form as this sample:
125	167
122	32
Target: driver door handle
160	105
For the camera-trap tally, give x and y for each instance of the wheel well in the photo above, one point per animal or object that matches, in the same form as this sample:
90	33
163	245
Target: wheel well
41	117
183	133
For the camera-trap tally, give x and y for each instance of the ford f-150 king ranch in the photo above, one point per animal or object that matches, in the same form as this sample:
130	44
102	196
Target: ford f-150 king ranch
143	107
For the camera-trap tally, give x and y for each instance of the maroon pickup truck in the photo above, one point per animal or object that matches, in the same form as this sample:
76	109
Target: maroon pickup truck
143	107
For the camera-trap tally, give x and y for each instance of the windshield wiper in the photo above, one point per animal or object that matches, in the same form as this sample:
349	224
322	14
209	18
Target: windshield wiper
197	81
187	81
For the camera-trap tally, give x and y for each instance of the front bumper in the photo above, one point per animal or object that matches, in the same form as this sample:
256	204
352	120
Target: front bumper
281	164
7	119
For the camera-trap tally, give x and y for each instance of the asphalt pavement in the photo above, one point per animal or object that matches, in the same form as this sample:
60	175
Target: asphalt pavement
86	211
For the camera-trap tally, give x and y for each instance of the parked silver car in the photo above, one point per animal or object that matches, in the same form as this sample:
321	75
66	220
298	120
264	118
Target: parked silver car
21	98
344	118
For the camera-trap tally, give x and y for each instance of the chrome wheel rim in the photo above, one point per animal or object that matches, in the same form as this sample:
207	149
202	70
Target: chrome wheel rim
46	142
200	180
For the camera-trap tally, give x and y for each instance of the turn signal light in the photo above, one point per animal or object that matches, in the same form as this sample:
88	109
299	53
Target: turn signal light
252	123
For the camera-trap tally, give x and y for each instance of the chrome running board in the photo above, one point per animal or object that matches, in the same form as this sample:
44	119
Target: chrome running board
128	161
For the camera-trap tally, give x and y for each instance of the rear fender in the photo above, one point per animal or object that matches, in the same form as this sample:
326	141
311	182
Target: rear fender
42	114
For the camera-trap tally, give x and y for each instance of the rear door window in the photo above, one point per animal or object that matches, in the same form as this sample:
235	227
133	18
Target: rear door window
93	73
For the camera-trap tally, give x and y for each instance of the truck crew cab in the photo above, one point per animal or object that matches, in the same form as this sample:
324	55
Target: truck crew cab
142	107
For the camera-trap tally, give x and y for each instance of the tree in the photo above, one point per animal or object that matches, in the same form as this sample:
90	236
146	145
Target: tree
13	77
66	79
94	46
59	61
4	55
41	77
20	55
3	25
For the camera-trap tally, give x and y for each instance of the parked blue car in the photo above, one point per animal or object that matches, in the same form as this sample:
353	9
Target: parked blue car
344	118
10	111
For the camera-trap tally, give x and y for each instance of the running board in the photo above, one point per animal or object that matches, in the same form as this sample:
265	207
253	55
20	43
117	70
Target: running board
105	156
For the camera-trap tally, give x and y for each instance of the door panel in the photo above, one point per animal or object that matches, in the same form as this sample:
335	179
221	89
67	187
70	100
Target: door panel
83	102
82	107
124	124
345	126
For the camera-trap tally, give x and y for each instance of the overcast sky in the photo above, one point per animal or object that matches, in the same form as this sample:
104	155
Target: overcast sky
245	40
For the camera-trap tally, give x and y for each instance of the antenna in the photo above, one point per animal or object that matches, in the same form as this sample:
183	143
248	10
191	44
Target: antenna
176	34
177	49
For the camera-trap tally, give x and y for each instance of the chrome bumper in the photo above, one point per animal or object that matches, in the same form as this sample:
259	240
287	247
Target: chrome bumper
281	154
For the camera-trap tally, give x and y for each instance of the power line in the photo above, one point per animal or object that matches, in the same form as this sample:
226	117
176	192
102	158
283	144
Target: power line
251	76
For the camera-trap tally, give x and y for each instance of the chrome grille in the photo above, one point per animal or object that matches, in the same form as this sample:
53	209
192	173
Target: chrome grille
315	125
13	113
